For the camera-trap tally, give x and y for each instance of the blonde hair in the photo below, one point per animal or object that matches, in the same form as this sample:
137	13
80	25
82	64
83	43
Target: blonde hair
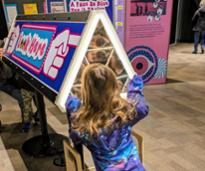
102	104
202	3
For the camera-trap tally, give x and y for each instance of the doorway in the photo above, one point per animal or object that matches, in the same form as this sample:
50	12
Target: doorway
185	12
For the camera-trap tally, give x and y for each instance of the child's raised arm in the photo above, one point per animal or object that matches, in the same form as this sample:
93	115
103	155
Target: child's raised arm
72	105
136	97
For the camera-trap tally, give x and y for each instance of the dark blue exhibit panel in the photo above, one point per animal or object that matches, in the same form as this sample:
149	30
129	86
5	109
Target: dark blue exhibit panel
44	49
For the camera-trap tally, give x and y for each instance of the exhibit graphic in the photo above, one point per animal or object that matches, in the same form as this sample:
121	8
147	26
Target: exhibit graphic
44	50
162	69
147	64
147	32
144	61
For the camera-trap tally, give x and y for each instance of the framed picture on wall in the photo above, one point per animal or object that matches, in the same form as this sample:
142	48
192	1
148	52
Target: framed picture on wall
11	12
30	8
57	7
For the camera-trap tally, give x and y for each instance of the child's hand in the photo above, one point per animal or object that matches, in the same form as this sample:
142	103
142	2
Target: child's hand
72	104
135	84
135	87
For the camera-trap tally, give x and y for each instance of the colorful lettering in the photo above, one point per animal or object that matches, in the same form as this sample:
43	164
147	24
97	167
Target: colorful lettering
78	5
32	46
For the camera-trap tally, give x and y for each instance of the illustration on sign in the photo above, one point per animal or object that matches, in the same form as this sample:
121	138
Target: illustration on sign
58	51
153	9
144	61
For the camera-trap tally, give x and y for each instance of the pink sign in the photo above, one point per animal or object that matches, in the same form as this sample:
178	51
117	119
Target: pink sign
147	35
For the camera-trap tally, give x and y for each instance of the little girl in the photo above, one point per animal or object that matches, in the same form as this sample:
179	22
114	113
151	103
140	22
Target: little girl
104	120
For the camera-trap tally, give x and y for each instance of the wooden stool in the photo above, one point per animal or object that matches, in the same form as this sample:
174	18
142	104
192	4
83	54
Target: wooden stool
73	158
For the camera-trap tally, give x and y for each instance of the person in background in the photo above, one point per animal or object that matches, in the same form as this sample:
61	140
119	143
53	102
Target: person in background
199	27
13	85
103	121
28	95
